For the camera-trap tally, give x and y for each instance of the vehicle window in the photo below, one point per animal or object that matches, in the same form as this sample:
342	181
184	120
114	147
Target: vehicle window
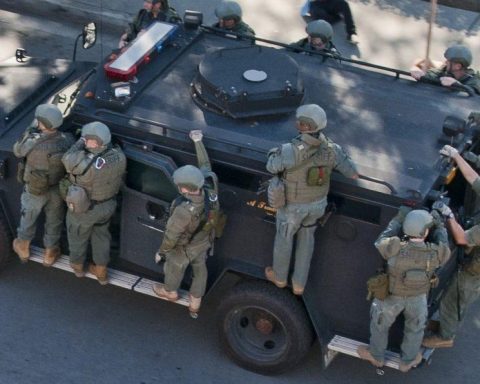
149	180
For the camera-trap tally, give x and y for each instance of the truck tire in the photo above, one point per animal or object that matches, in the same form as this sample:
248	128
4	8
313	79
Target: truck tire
5	242
263	328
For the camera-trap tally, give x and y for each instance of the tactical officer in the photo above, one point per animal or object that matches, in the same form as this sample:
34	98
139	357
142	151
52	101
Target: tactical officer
464	289
95	170
319	38
411	266
455	72
333	11
42	147
189	232
305	166
229	14
153	10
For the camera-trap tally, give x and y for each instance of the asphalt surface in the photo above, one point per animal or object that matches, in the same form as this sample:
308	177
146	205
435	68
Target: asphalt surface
55	328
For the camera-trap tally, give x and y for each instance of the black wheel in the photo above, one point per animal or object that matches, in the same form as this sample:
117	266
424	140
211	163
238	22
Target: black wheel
263	328
5	242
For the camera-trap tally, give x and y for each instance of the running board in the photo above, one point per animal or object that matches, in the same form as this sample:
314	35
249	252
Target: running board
117	278
349	347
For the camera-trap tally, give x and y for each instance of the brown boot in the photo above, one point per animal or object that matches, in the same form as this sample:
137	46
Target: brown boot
51	255
436	341
194	305
100	271
270	275
160	291
22	249
297	289
406	367
365	354
78	269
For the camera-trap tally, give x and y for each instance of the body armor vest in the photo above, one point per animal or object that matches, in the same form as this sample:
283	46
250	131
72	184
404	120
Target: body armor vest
411	270
309	179
103	177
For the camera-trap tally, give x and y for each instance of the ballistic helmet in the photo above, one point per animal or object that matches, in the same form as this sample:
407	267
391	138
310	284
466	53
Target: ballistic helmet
417	222
313	115
459	54
189	177
228	10
320	28
97	131
49	115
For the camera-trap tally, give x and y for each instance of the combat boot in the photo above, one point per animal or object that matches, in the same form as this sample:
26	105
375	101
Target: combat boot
297	289
22	249
436	341
100	272
194	305
270	275
365	354
51	255
78	269
160	291
406	367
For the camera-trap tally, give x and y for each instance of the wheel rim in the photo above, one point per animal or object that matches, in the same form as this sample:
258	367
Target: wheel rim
257	333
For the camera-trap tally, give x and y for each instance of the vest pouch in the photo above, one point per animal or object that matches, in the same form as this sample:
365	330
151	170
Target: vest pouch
377	286
21	171
37	182
219	223
416	279
56	170
473	266
77	199
317	176
276	192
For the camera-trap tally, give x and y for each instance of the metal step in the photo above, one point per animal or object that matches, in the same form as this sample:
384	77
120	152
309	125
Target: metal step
349	347
117	278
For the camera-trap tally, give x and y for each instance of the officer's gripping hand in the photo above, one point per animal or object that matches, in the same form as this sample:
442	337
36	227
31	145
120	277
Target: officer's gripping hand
402	213
448	151
437	218
443	208
196	135
160	257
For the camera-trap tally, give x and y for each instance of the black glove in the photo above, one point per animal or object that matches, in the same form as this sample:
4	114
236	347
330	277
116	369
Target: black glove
160	257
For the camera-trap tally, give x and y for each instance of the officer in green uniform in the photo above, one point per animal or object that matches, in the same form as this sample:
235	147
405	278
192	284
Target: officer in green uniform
455	72
464	289
320	34
189	232
229	14
42	147
95	170
153	10
305	166
411	266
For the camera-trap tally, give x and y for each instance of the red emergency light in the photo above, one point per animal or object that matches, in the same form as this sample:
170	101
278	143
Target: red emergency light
125	66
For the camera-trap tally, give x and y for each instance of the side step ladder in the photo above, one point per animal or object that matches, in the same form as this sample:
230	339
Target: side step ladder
340	344
117	278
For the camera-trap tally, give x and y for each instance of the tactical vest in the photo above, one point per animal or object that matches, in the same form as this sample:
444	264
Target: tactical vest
103	178
411	270
309	180
43	166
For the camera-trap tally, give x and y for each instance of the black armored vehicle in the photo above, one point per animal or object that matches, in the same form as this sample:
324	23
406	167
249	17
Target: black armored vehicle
242	94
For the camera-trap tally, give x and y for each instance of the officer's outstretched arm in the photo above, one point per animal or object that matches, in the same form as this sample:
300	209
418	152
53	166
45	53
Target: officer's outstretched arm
202	155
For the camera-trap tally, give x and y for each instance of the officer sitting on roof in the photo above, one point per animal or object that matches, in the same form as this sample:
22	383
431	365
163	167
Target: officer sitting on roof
153	10
411	266
229	14
454	72
320	34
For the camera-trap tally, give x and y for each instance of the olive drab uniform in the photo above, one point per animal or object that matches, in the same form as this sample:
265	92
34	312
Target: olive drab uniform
240	27
305	166
189	233
464	288
304	44
144	18
43	171
471	80
410	266
101	176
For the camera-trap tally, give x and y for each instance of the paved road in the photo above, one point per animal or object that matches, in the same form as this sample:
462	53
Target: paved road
55	328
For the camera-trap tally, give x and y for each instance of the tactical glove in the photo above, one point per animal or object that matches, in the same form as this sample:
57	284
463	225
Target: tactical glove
160	257
443	208
448	151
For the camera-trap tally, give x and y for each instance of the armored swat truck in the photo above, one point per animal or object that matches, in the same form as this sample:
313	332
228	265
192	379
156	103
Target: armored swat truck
242	94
